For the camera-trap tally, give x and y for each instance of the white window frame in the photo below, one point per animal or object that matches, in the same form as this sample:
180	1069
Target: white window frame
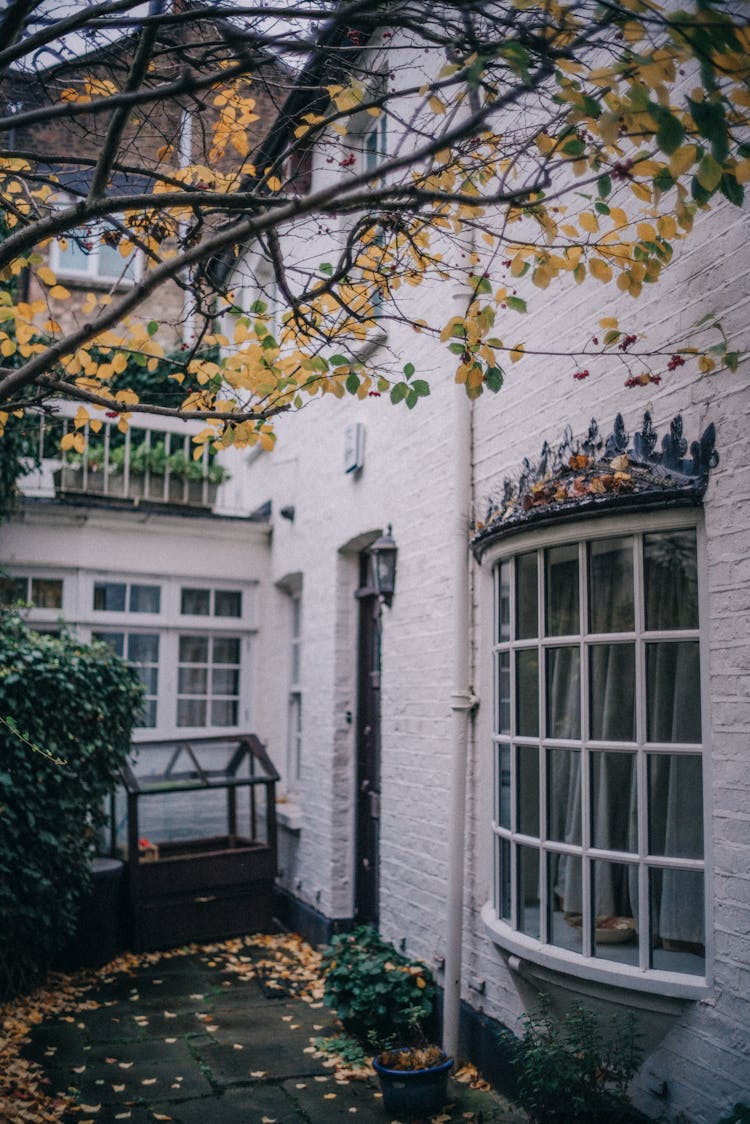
527	948
294	697
92	274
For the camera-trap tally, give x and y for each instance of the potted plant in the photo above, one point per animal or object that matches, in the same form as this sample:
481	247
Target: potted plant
388	1001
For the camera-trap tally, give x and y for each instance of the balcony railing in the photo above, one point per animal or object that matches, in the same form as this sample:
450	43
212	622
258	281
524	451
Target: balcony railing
152	461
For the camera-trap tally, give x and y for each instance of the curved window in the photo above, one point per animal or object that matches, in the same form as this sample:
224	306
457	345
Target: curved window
598	793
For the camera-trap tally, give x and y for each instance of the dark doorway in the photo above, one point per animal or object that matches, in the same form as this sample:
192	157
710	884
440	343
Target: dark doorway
368	748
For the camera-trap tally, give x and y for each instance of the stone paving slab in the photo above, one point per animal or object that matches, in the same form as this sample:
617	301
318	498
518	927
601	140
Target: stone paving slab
185	1042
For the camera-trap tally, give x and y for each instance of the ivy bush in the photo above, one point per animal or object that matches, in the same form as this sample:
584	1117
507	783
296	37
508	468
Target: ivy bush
381	997
66	714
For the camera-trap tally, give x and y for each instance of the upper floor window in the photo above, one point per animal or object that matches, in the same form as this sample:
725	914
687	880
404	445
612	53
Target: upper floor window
92	254
597	738
202	602
42	593
375	144
121	597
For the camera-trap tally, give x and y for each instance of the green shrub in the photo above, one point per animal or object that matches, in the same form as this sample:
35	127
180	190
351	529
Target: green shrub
740	1114
60	700
573	1072
380	996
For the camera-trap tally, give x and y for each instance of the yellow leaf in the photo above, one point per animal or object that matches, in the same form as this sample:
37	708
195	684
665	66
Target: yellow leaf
608	322
646	232
682	159
517	353
742	171
45	274
709	172
436	105
59	292
274	183
641	191
588	222
82	416
600	270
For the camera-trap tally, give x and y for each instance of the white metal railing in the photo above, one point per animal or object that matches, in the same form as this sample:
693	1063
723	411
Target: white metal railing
152	460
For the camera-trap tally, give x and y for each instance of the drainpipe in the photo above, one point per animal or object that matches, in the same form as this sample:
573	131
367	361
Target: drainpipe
463	702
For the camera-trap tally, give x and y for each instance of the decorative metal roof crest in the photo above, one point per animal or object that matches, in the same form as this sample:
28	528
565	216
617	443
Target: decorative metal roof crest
594	474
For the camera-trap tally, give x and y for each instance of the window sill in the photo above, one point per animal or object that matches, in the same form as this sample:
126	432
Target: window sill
531	958
289	816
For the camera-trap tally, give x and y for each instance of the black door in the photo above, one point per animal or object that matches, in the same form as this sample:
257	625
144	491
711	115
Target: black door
368	749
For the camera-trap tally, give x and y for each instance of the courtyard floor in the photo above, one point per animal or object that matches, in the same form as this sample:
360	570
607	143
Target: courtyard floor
211	1034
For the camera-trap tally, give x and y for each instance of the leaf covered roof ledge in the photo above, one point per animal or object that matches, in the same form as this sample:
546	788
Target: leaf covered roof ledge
592	476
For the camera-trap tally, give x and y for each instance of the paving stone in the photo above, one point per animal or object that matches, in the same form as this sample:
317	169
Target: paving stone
271	1057
112	1074
237	1106
331	1102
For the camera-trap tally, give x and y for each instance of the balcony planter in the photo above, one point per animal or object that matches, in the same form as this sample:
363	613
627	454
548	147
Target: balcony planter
413	1092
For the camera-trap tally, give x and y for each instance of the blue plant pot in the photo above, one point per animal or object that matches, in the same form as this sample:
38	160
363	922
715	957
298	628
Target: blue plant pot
414	1092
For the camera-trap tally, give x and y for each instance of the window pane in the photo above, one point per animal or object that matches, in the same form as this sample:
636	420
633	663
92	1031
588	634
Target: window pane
149	677
503	878
675	805
46	593
564	879
611	597
193	649
527	624
503	789
116	641
503	692
612	692
110	596
143	647
503	602
527	693
528	890
147	717
563	693
227	649
614	821
564	795
677	930
673	686
196	602
562	614
145	598
527	787
671	576
224	712
615	896
225	681
73	252
13	590
193	681
191	712
227	603
112	265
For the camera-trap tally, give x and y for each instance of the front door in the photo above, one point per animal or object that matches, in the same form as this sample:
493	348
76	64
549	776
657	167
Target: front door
368	749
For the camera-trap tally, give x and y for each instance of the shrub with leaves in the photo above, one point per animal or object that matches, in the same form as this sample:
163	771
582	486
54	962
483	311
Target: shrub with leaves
66	714
381	997
572	1070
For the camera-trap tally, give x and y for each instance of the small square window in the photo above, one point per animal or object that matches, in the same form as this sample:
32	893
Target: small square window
47	593
195	602
13	590
227	603
145	598
109	596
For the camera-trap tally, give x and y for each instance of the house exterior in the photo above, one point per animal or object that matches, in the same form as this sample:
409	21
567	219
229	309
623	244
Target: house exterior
529	768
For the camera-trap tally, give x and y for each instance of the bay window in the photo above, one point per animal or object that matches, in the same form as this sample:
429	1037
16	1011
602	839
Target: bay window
597	753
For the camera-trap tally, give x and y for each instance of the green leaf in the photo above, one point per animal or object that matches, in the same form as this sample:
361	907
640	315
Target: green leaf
663	180
670	133
152	327
516	303
612	336
709	173
601	207
337	360
733	191
326	267
574	147
398	392
258	307
493	379
711	120
409	369
604	185
352	382
421	388
732	359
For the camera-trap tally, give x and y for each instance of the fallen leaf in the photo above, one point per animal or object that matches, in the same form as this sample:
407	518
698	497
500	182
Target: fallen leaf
148	1081
237	1046
118	1088
91	1108
79	1069
258	1072
169	1041
329	1096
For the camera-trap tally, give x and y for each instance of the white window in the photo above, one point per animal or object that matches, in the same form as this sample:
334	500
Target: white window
375	144
597	754
40	593
92	254
208	689
141	649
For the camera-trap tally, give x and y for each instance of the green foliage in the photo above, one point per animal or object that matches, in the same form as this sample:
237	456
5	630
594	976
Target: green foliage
380	996
346	1049
740	1114
69	710
573	1071
19	455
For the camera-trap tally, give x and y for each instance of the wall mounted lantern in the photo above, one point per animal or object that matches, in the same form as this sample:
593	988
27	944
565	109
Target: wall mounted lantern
383	565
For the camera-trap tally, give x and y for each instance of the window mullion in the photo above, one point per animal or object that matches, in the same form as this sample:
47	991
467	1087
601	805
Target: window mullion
644	918
586	902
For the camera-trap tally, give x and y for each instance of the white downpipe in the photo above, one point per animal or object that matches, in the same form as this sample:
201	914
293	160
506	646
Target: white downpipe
462	704
185	159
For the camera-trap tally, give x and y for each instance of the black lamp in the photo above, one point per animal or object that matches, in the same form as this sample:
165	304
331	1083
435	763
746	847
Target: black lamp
383	561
